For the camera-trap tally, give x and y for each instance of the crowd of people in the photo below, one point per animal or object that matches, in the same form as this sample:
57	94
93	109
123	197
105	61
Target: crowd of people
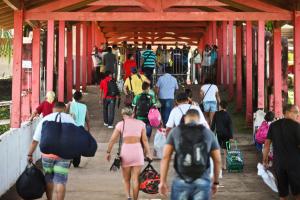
120	60
196	131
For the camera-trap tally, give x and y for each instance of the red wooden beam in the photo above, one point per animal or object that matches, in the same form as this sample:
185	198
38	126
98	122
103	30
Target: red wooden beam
137	24
84	57
61	62
156	16
116	3
277	72
297	58
50	55
78	57
194	3
249	99
55	5
91	8
35	98
230	52
261	6
69	69
17	70
261	65
13	4
239	75
89	53
224	54
214	32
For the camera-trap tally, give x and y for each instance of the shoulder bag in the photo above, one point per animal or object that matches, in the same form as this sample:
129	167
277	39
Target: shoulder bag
117	162
129	97
201	103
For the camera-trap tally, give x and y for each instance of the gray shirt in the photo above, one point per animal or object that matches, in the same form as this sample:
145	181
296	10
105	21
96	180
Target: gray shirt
209	138
109	61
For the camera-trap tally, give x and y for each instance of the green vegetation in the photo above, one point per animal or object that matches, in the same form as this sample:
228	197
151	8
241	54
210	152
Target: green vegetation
4	128
4	112
6	49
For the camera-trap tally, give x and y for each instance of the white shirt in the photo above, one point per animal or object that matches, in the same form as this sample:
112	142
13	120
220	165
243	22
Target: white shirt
65	118
211	93
177	113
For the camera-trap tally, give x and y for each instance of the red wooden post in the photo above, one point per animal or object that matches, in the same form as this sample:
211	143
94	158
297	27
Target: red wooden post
220	53
35	98
249	109
89	53
297	58
239	97
61	62
214	32
210	33
77	71
224	54
69	65
230	51
261	65
93	27
50	55
17	69
84	58
277	72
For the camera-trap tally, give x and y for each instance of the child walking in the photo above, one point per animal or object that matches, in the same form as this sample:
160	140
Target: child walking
222	125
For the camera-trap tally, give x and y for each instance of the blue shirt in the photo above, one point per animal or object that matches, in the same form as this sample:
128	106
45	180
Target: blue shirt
78	112
167	85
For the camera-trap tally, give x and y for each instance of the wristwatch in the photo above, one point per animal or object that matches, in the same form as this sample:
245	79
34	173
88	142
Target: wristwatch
217	183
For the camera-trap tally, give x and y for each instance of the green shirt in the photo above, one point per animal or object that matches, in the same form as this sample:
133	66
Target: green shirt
137	98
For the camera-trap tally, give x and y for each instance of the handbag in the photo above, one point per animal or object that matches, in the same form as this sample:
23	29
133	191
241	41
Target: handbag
201	104
130	96
118	161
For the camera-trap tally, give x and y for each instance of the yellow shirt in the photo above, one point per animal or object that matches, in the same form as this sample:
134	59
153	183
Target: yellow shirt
136	83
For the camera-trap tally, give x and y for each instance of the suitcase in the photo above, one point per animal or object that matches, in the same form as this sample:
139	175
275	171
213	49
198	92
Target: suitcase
234	158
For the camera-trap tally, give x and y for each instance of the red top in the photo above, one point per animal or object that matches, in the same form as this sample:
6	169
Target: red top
45	108
104	87
127	67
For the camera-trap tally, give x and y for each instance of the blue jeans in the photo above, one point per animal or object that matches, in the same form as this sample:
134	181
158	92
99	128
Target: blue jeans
200	189
166	107
210	106
109	111
148	130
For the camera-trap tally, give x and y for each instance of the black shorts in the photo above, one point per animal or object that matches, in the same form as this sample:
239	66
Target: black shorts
286	180
222	141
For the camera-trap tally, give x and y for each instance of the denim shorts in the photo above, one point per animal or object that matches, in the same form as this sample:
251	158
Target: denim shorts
200	189
210	106
56	171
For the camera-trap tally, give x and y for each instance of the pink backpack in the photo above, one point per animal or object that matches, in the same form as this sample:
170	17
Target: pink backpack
154	117
262	132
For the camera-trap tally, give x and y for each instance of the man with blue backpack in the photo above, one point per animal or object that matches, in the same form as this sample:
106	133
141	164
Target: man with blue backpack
193	145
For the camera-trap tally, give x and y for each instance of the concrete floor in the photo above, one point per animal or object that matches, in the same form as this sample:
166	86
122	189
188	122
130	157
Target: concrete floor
94	181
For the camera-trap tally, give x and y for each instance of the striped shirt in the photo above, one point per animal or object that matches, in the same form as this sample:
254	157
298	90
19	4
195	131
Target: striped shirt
149	58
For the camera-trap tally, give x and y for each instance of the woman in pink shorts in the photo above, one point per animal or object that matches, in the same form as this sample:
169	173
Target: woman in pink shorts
132	154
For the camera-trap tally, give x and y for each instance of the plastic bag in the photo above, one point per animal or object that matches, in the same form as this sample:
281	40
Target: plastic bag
159	142
154	117
267	177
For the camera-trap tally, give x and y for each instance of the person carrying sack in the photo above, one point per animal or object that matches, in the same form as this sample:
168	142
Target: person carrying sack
193	145
132	134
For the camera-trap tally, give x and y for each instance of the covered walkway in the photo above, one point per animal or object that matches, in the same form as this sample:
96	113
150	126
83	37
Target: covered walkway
93	181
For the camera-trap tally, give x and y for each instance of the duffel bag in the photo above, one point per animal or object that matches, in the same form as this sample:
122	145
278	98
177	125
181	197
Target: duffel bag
31	184
66	140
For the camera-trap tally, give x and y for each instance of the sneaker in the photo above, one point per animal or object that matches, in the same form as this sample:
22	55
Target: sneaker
110	127
105	124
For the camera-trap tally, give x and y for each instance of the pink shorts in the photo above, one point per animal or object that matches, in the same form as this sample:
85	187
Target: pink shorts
132	155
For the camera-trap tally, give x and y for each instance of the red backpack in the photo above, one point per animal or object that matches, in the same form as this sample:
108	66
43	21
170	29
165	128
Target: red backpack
262	132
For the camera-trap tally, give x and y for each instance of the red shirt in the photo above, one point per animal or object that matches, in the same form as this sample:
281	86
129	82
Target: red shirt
45	108
104	88
127	67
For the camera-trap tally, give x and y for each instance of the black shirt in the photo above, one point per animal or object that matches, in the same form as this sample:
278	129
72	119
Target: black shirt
285	136
222	124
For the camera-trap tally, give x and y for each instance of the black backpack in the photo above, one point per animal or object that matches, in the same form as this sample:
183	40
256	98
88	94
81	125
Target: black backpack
112	88
144	104
191	159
